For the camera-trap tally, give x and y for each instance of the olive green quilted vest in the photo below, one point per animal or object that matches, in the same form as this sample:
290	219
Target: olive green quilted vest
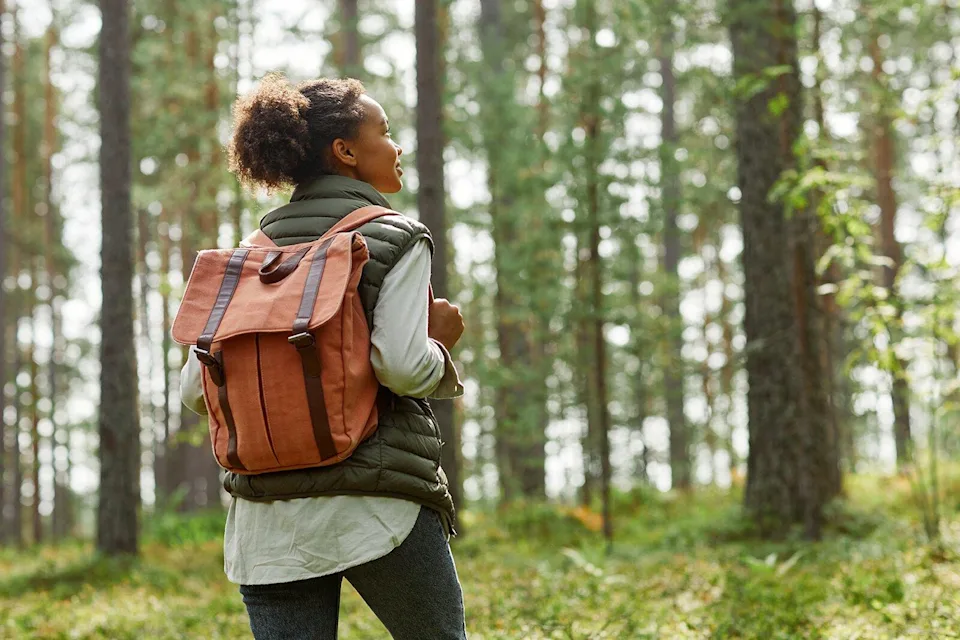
402	458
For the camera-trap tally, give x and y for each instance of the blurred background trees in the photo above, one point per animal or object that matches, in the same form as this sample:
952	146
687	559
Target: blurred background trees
696	243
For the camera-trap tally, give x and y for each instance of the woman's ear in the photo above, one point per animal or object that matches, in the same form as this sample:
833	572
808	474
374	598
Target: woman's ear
343	152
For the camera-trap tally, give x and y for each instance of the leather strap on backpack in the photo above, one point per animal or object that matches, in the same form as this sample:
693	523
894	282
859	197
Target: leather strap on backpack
357	219
305	343
214	361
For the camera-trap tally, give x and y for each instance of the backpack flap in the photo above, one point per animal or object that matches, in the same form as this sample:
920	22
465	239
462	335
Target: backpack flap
260	289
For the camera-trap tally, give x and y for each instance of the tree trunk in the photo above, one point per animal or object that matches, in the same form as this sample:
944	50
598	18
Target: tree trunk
884	156
673	375
598	373
162	461
19	201
547	256
520	440
348	51
147	410
782	487
638	347
16	497
430	200
206	463
726	376
36	520
22	204
119	425
52	244
5	308
833	351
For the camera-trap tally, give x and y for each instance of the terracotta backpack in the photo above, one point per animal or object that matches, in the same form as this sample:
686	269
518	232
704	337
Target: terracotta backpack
285	345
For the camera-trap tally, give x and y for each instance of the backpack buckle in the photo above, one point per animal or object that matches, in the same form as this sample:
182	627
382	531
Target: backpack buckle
213	365
303	340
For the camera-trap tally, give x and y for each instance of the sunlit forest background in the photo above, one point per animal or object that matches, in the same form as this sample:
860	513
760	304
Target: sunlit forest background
708	255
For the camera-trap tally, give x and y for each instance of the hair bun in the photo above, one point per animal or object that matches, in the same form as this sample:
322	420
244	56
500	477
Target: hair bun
271	136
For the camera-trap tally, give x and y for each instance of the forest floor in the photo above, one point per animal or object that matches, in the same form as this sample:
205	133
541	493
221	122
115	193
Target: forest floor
683	567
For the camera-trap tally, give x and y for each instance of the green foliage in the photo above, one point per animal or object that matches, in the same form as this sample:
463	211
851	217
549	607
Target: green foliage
170	528
683	569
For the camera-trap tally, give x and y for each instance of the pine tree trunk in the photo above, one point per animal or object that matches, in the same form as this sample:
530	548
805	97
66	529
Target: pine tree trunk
586	393
147	410
6	311
635	260
832	344
36	519
348	53
18	222
884	156
430	201
519	443
53	241
598	373
726	376
241	22
119	424
206	463
545	260
673	375
782	486
162	460
16	496
24	218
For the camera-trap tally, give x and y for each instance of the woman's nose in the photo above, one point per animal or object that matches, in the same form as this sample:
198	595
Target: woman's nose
399	149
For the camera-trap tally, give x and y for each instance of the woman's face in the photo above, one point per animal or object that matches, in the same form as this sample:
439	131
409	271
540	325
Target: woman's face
372	156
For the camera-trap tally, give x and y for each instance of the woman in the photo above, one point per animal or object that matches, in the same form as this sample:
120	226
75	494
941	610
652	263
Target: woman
382	518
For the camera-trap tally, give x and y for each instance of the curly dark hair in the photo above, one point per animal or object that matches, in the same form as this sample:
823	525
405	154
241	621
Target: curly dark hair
282	134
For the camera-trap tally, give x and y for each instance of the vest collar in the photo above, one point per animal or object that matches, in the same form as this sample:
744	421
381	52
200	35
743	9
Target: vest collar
338	187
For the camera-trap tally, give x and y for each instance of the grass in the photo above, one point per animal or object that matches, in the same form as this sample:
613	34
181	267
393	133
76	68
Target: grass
683	567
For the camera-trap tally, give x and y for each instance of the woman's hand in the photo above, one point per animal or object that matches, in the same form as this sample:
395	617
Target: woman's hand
445	323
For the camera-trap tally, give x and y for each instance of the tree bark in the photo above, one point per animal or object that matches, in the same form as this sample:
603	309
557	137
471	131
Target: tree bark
829	345
16	496
520	439
348	52
206	463
36	519
52	245
162	461
5	308
673	375
119	424
430	200
727	373
598	373
19	202
884	158
639	351
147	410
782	488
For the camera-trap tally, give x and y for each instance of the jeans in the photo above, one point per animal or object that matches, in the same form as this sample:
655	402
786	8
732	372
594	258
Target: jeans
414	590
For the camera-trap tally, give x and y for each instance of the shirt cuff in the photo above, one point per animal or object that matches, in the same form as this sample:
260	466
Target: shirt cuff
449	386
191	384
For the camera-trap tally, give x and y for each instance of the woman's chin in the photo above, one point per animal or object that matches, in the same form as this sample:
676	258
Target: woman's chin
394	187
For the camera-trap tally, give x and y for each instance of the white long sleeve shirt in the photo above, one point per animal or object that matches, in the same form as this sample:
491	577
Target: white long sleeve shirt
287	540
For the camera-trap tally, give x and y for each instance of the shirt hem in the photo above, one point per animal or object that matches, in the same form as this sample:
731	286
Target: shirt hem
343	566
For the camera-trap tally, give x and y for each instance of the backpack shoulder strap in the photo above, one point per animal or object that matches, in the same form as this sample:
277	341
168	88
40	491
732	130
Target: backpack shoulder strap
358	218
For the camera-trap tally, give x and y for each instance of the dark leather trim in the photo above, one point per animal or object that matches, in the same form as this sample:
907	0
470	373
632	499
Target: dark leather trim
311	288
305	343
232	457
287	267
231	278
